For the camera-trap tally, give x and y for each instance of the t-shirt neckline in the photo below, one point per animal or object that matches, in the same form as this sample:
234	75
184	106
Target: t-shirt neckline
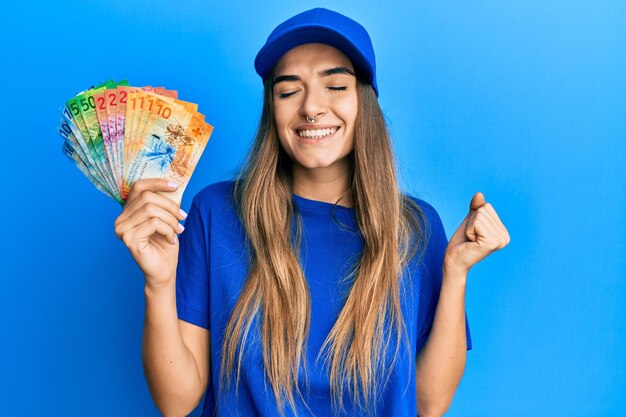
319	205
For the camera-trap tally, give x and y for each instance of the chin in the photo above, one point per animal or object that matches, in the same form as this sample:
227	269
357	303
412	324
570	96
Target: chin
314	164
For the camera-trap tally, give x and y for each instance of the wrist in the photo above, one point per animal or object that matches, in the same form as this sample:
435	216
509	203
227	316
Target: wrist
450	265
454	273
159	286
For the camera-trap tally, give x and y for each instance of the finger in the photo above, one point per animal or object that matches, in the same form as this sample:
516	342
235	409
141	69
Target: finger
151	184
499	228
488	234
148	228
477	201
470	228
459	234
481	228
149	197
485	233
494	215
148	185
147	212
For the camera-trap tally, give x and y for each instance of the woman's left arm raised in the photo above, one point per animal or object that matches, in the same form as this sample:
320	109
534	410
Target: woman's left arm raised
441	362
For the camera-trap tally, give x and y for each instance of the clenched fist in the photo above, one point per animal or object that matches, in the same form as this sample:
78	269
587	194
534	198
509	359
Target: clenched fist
480	234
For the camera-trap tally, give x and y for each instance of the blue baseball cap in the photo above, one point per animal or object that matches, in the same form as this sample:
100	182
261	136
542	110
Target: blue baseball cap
320	25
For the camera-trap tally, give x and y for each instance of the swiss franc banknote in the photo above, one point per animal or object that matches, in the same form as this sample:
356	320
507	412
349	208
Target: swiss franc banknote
117	134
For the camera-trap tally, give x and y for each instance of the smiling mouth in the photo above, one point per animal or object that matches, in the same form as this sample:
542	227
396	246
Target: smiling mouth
316	133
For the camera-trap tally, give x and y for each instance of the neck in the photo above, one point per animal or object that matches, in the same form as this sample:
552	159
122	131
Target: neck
330	184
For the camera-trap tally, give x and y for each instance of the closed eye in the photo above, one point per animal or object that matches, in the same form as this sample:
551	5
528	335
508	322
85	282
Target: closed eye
285	95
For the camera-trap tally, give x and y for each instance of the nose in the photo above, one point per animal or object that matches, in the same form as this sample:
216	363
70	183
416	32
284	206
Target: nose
313	105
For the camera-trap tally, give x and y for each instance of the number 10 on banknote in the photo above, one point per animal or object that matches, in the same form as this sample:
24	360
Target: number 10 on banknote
117	134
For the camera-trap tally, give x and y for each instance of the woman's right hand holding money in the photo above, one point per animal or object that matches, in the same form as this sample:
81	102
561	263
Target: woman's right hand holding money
148	226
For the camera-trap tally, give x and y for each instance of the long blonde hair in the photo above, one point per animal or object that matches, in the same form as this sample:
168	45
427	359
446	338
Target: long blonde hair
276	287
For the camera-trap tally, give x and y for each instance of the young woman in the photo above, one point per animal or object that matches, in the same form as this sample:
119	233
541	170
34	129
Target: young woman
310	285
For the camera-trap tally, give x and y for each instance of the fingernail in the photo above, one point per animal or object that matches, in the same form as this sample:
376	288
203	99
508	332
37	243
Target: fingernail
175	240
172	184
181	227
182	213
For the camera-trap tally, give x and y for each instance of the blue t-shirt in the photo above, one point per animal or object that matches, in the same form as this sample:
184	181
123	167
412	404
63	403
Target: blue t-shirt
212	268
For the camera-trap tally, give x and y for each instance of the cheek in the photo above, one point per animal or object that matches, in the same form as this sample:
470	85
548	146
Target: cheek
279	117
281	121
284	139
283	118
347	111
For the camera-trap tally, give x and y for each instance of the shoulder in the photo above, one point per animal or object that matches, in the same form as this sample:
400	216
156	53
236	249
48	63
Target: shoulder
214	195
430	217
213	202
432	235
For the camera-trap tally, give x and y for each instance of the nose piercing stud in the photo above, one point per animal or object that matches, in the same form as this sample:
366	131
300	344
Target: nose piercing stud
310	120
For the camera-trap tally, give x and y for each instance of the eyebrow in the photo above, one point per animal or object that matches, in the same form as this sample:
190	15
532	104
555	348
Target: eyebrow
323	73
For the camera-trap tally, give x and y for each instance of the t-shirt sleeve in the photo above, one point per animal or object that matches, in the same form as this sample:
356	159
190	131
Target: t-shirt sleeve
431	285
192	274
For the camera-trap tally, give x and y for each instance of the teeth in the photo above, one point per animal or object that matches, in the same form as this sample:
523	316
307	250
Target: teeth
318	133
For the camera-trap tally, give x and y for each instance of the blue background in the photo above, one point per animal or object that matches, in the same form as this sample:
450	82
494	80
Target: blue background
522	100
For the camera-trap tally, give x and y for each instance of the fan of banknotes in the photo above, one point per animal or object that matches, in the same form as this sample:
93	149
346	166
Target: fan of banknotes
117	134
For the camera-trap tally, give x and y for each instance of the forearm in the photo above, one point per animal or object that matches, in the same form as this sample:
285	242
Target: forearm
170	368
441	362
